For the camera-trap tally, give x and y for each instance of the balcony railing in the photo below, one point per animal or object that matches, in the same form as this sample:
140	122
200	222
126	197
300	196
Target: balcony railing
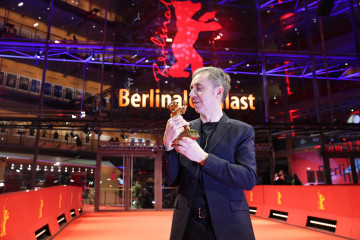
115	146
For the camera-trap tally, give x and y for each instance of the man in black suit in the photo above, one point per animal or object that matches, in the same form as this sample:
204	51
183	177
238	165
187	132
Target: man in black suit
212	171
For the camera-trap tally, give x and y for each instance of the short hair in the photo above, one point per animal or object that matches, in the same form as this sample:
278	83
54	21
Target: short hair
218	77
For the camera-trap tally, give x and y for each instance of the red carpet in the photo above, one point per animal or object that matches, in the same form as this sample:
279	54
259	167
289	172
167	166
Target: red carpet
151	225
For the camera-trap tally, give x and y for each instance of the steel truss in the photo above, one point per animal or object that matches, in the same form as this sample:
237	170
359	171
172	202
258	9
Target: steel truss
340	6
238	61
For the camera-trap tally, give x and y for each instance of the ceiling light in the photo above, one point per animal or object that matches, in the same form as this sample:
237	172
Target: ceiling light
36	24
20	4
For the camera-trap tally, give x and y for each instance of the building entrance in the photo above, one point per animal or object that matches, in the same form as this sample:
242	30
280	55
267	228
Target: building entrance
128	178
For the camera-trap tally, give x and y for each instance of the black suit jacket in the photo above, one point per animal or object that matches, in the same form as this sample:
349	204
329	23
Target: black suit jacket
229	170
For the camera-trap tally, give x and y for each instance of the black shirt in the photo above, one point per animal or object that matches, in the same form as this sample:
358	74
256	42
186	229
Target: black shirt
207	130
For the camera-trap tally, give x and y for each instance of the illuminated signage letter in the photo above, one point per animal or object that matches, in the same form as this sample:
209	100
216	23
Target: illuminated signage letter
244	103
135	100
124	96
144	97
235	104
157	98
251	101
165	100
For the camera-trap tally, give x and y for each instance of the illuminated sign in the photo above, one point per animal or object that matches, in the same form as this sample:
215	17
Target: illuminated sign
160	40
344	147
188	30
354	117
154	99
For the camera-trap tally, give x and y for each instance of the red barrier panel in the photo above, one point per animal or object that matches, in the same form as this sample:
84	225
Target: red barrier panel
355	199
23	213
255	198
338	203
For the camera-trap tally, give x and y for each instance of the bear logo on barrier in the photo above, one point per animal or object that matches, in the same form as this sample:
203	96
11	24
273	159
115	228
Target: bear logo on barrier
6	216
41	207
321	201
279	196
60	198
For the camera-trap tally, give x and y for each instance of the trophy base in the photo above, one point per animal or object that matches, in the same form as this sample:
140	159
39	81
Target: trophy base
193	134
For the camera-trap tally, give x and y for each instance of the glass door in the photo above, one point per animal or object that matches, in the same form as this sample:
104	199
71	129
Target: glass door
112	187
127	183
142	182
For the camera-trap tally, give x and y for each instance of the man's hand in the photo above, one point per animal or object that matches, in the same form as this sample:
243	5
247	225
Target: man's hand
174	127
190	148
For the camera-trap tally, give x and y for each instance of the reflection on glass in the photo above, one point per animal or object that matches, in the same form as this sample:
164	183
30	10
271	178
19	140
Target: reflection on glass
24	83
35	86
69	92
58	91
1	78
11	80
47	89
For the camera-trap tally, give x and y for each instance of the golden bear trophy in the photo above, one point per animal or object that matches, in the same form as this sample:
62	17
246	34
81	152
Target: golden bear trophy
176	110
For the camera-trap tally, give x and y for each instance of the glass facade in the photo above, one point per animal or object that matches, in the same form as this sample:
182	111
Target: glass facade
77	74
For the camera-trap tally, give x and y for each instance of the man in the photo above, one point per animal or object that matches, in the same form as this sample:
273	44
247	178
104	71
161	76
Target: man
212	171
281	179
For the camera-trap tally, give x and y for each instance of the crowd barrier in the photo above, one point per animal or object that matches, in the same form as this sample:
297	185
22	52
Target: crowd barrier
39	213
335	209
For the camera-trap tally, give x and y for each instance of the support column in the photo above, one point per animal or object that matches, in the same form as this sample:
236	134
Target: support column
97	181
127	183
41	99
353	171
158	181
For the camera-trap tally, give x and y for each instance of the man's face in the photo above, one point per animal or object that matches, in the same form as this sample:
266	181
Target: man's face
203	94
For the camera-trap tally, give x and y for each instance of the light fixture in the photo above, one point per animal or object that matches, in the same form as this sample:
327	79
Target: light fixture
36	24
20	4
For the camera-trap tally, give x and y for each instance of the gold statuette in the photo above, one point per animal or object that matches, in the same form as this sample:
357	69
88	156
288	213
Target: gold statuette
176	110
